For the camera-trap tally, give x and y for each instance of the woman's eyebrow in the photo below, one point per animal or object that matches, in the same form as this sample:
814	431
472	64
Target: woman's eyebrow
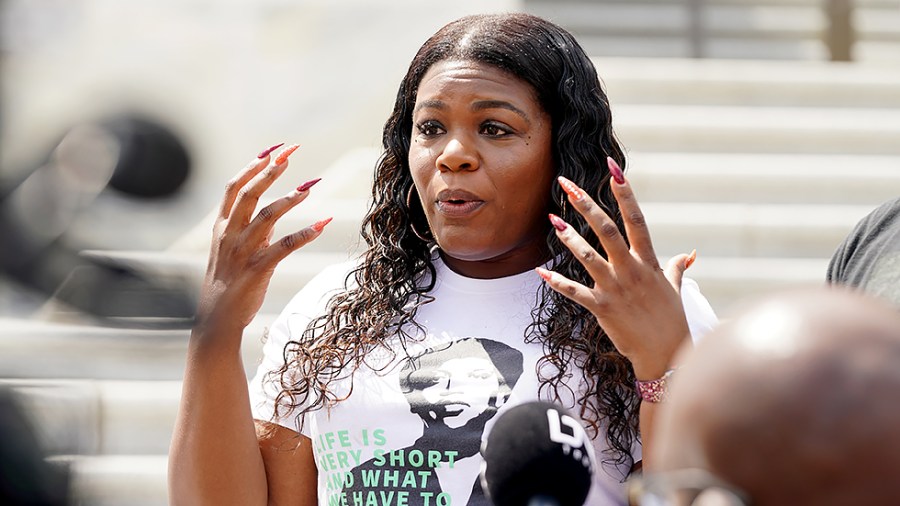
499	104
430	104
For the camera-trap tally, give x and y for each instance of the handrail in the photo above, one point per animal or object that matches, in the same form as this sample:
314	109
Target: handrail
840	35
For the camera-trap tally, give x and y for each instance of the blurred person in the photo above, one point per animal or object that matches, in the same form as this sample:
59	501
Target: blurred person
499	122
869	257
26	478
791	402
139	157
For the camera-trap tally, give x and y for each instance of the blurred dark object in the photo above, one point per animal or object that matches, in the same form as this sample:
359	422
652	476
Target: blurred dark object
537	454
152	161
26	478
131	154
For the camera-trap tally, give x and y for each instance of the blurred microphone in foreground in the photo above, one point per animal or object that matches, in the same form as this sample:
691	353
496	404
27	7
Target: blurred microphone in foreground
135	156
537	454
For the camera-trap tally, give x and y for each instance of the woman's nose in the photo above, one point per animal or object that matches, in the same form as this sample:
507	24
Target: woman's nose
457	155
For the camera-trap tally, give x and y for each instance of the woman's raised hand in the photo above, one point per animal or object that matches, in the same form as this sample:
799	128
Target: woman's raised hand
243	257
636	302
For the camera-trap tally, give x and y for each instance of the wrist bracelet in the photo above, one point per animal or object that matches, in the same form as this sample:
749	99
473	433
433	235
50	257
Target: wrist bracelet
654	390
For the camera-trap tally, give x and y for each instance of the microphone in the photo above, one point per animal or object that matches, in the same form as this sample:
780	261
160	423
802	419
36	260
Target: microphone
537	454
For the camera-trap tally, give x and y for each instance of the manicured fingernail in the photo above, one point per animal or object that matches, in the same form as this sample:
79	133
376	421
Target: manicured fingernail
543	273
307	185
266	152
558	222
286	153
615	170
571	189
319	225
690	259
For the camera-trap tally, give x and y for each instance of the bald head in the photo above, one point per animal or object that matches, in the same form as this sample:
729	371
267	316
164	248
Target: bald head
796	401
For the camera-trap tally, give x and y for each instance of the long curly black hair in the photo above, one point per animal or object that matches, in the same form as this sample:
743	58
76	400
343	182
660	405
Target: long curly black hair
396	273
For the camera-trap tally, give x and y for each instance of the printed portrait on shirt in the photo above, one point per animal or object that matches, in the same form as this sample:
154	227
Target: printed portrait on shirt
455	389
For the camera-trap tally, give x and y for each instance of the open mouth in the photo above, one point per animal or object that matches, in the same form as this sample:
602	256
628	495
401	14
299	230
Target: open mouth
458	202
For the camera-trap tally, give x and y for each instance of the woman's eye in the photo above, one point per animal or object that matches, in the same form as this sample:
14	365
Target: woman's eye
429	128
495	130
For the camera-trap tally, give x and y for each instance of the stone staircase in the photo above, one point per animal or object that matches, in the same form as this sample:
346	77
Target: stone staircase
762	166
754	29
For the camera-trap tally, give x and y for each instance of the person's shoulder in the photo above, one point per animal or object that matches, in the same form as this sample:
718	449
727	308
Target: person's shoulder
875	232
885	216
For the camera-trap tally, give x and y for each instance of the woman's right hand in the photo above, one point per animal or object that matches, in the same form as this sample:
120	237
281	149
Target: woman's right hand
243	257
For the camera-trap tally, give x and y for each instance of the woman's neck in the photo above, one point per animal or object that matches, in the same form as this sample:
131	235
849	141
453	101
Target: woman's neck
514	262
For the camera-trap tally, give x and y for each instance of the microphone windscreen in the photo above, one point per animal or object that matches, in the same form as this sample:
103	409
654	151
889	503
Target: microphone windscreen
537	450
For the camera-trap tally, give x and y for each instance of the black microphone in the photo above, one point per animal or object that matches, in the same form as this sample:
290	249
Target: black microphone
537	454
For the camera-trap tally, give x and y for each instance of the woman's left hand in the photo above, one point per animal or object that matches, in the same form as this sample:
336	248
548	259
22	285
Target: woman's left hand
636	302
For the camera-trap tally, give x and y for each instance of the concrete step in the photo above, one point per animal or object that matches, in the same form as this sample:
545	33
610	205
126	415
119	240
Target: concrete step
644	45
101	417
117	480
732	129
762	178
674	81
675	18
747	230
30	349
729	282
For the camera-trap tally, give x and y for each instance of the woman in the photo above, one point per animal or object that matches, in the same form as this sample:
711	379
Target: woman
500	121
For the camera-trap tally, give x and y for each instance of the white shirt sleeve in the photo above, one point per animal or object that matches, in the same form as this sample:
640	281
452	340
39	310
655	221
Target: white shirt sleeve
700	315
309	303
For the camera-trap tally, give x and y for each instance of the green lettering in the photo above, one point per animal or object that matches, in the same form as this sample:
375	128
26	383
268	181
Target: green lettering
409	480
397	458
424	475
370	478
451	454
391	478
416	458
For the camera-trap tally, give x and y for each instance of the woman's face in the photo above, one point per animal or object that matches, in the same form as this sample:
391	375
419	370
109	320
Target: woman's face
461	389
481	159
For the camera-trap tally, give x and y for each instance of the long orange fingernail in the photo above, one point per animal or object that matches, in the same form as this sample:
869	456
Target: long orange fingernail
571	189
543	273
266	152
615	170
319	225
286	153
690	259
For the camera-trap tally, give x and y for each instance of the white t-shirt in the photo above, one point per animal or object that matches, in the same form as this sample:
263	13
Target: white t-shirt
410	433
